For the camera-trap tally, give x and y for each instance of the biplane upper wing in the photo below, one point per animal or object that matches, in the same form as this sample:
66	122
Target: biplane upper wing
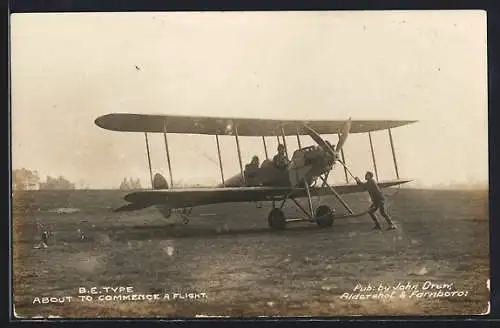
203	196
125	122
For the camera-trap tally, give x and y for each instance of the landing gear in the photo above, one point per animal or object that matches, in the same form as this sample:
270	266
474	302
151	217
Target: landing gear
276	219
324	216
185	212
166	212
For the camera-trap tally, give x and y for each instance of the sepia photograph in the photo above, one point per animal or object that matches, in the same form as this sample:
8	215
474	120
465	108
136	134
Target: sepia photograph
249	164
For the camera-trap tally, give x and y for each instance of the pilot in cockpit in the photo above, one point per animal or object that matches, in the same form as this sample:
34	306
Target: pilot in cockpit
254	163
251	169
280	160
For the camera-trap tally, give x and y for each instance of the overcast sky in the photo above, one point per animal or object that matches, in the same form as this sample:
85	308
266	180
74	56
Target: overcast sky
67	69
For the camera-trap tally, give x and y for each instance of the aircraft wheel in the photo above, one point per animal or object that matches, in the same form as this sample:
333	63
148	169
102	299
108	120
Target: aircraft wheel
277	219
324	216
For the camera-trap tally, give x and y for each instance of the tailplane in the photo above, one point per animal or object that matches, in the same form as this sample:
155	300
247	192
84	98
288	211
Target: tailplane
132	207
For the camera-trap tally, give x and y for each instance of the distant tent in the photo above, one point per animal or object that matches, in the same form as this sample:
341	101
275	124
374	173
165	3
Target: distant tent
124	185
130	184
135	184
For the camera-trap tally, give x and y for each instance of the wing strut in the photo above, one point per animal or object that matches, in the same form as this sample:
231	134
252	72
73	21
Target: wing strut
343	161
220	160
336	194
239	153
149	159
284	141
393	154
265	146
168	154
373	155
298	139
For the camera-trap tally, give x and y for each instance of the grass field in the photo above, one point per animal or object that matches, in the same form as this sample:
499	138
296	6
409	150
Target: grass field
228	253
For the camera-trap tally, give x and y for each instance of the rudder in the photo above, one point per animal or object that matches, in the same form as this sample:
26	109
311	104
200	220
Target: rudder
159	182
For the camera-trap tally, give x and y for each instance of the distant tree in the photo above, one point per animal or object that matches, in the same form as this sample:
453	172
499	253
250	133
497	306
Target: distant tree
24	179
59	183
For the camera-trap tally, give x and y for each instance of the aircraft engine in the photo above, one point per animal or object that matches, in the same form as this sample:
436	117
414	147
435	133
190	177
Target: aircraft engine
311	162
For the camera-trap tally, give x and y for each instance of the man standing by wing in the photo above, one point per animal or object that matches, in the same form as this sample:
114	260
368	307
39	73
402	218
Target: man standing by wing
378	201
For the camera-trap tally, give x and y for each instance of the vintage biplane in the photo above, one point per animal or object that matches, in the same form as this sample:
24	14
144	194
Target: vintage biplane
299	179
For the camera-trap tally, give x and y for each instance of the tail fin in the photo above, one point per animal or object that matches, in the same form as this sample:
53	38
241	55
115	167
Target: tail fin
159	182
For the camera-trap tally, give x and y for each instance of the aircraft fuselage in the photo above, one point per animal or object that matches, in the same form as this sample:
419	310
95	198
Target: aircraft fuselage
266	175
308	162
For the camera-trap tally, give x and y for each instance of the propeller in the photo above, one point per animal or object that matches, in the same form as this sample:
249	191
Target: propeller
343	137
325	145
299	167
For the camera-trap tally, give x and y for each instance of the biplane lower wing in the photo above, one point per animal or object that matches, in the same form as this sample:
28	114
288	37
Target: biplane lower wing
203	196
